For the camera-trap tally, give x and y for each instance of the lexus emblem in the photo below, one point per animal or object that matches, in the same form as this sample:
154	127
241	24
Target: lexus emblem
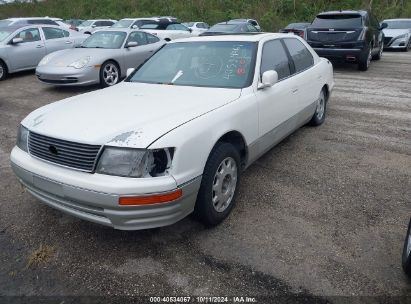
53	150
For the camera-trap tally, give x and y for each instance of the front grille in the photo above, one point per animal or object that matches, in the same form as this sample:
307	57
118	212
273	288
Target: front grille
63	152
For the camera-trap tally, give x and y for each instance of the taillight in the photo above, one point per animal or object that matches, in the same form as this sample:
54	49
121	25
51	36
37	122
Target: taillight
301	34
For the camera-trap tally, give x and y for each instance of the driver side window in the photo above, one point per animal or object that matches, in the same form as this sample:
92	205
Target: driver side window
275	58
29	35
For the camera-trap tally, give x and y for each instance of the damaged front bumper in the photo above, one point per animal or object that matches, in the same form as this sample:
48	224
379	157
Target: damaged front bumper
95	197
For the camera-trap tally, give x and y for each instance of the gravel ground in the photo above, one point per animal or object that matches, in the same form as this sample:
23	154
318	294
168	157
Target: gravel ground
320	216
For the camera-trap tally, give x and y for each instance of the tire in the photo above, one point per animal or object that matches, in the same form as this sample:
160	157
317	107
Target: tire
109	74
406	256
3	71
365	59
219	185
319	115
408	47
379	54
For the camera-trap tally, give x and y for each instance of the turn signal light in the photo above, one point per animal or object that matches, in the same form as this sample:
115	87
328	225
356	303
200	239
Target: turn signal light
150	199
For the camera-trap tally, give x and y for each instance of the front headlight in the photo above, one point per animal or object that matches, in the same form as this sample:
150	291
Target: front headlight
130	162
22	138
81	63
402	37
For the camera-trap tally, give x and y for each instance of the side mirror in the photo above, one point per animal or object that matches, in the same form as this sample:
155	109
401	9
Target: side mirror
16	40
268	79
130	71
134	26
190	30
93	26
131	44
383	25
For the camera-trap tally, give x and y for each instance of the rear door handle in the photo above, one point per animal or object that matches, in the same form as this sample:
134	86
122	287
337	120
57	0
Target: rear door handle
39	46
294	90
69	42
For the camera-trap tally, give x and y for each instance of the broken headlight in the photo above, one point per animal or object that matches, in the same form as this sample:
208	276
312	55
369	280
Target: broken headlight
130	162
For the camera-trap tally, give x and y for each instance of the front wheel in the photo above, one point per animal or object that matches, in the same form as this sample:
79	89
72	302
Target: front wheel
319	115
218	188
365	59
3	70
109	74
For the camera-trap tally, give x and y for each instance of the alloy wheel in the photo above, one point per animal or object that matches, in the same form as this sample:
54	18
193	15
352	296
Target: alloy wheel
369	57
1	71
224	184
320	107
110	74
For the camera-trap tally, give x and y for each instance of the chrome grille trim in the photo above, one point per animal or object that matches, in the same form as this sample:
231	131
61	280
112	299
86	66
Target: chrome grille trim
70	154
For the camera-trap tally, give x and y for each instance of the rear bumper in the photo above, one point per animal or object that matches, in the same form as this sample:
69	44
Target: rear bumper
340	54
98	199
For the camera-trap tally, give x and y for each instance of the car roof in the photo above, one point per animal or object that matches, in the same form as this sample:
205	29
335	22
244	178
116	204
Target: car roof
360	12
28	18
248	37
141	18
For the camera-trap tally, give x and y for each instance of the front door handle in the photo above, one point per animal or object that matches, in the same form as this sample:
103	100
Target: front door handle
294	90
69	42
39	46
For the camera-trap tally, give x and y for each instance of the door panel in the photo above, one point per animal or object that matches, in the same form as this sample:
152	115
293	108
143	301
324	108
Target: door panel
27	54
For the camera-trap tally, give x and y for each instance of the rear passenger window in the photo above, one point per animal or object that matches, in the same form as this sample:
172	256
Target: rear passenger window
301	56
52	33
152	38
275	58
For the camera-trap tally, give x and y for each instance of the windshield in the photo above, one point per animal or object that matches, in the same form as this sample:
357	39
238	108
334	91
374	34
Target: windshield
123	23
225	64
105	40
223	27
86	23
4	33
5	22
338	21
399	24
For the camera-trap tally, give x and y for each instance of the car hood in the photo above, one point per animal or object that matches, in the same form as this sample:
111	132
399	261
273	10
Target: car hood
128	114
68	56
395	32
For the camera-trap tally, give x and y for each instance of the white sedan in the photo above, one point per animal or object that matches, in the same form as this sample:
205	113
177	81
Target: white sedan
175	136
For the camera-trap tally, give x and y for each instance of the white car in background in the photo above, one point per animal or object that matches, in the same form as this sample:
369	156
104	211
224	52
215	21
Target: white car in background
133	23
197	27
175	136
167	30
90	26
397	34
60	22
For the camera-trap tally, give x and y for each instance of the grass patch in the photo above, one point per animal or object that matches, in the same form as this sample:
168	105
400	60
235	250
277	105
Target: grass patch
40	256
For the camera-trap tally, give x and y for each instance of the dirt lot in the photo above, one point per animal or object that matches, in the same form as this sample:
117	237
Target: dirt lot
321	215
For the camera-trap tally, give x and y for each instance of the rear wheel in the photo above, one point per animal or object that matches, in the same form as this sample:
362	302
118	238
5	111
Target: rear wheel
379	54
408	47
218	188
109	74
365	59
319	115
3	70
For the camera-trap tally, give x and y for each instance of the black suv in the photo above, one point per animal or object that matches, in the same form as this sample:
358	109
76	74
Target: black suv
351	36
